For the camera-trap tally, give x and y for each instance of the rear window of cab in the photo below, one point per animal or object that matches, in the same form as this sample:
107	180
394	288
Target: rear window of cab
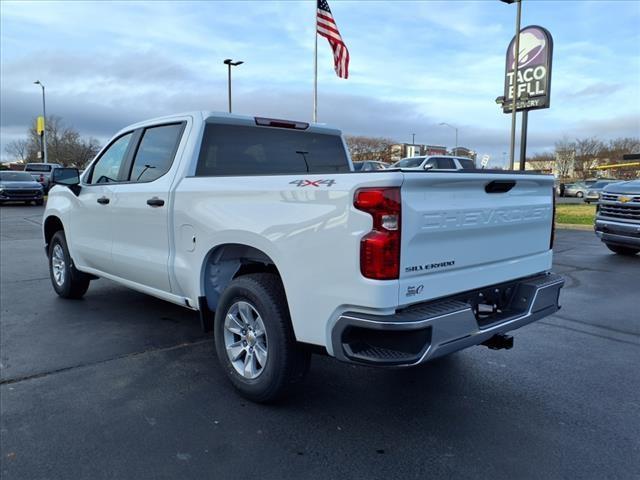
229	150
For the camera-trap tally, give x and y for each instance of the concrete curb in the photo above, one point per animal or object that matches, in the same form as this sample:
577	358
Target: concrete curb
570	226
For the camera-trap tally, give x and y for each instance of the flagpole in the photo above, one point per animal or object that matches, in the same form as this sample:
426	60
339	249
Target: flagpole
315	67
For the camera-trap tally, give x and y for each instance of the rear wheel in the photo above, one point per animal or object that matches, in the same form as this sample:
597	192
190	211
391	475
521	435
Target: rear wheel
623	250
254	339
67	281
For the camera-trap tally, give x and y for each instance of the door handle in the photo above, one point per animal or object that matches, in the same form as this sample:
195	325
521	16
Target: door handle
155	202
103	200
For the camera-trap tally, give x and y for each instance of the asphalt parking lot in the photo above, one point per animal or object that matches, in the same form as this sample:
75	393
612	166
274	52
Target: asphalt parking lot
121	385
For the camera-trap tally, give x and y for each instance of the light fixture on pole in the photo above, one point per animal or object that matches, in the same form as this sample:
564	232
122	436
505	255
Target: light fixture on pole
516	55
230	63
45	157
444	124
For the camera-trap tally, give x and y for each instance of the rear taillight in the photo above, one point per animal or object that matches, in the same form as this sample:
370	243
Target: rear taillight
380	248
553	220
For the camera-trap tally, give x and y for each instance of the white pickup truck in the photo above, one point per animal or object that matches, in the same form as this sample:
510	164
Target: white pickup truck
262	226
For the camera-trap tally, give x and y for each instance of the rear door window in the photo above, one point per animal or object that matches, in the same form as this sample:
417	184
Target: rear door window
446	164
246	150
156	152
467	164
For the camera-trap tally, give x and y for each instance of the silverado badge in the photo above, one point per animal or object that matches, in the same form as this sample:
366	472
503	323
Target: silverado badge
624	199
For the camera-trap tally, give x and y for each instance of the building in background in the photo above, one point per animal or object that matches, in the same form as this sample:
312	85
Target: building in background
464	152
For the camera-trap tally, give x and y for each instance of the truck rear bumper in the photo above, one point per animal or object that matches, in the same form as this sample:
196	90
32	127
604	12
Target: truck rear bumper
618	233
429	330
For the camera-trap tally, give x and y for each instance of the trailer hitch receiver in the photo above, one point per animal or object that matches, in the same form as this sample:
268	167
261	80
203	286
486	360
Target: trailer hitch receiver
499	341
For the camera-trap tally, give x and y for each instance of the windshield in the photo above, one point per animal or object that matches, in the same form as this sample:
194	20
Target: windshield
409	162
37	167
15	177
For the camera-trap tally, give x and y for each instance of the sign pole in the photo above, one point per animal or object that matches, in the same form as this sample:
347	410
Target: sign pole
315	67
516	56
523	139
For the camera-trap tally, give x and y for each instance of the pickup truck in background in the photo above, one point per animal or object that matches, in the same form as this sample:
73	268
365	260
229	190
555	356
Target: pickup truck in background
618	217
41	173
263	227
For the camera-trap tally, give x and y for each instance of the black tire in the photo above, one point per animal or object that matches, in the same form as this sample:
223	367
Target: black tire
73	283
622	250
579	194
286	363
40	202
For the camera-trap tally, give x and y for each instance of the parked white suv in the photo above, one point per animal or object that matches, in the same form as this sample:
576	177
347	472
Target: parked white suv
435	162
262	226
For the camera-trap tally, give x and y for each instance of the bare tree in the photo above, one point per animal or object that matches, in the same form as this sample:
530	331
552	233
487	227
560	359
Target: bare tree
17	149
618	147
369	148
565	152
64	144
588	155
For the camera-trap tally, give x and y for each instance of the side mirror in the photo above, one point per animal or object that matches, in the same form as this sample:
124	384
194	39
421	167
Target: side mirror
68	177
428	166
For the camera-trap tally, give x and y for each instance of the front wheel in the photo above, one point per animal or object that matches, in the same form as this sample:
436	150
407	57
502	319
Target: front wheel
67	281
622	250
40	202
254	339
579	194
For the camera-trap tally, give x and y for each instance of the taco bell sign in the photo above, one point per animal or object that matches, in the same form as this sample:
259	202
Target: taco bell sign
534	70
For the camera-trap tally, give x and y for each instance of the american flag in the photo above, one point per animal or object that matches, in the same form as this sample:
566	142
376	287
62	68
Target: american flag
326	26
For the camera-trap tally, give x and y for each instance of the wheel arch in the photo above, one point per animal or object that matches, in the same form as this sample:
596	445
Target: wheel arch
225	262
51	225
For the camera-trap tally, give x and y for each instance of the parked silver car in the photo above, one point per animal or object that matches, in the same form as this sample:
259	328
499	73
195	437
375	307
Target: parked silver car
578	189
593	194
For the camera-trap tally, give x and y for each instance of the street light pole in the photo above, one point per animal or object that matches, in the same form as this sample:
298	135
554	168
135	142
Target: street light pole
516	58
230	63
413	139
44	132
444	124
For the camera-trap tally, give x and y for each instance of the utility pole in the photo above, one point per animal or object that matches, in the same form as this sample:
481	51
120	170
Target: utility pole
444	124
230	63
45	157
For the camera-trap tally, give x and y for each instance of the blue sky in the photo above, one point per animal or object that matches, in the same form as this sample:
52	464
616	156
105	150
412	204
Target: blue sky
413	65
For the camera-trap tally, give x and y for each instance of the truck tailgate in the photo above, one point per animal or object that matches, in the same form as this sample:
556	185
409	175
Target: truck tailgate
462	231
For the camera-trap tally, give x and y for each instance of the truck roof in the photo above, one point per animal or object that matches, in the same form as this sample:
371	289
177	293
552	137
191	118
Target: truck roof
229	119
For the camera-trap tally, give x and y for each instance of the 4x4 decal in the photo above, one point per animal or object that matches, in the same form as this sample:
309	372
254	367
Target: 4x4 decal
313	183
